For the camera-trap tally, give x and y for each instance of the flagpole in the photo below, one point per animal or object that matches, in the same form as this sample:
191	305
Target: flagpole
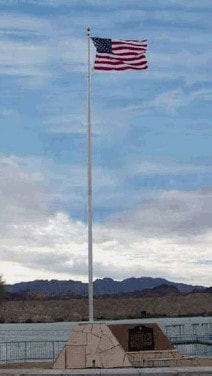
89	166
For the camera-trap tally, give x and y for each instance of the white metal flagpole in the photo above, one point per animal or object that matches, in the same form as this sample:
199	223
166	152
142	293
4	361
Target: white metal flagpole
89	161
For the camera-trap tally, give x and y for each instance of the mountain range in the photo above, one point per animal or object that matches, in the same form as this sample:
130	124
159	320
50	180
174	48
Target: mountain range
105	286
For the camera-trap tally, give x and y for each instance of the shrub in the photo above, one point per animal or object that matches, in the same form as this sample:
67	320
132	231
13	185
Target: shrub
1	289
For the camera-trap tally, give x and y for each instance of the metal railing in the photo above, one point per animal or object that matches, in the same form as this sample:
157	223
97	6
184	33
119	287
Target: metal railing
193	345
195	330
204	339
194	349
30	351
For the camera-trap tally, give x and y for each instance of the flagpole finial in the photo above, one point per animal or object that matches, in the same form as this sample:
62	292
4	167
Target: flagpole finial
88	30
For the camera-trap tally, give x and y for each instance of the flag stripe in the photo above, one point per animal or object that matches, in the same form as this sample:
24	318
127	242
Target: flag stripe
118	58
128	43
118	64
128	48
107	62
120	68
127	54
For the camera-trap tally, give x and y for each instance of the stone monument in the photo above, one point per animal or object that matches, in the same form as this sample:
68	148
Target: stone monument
101	345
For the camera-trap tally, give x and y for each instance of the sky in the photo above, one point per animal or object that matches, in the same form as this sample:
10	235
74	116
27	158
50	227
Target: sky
151	142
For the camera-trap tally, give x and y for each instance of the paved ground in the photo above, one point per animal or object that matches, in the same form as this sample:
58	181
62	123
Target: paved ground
27	365
191	371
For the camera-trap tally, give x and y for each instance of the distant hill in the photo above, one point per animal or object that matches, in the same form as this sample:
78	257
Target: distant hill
105	286
158	291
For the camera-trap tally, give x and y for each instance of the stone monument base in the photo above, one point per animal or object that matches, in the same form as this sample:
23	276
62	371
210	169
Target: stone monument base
99	345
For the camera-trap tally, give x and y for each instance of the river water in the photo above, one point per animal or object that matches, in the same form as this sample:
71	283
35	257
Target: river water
199	326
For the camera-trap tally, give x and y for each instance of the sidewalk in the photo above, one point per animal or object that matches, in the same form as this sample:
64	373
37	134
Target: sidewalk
196	371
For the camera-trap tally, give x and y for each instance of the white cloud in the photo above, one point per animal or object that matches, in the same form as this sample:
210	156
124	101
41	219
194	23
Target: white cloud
181	58
195	4
151	169
22	53
168	236
170	101
66	124
71	53
23	58
175	16
33	48
179	61
19	22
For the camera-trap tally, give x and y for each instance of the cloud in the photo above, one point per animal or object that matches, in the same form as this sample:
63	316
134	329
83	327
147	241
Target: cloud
22	192
23	50
33	48
164	236
160	17
59	249
196	4
179	61
173	100
71	53
23	58
171	213
18	22
66	124
154	169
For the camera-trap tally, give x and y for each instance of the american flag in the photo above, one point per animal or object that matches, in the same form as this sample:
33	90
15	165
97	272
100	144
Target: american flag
120	55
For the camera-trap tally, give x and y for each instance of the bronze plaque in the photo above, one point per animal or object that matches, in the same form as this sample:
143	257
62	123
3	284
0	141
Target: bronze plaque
140	338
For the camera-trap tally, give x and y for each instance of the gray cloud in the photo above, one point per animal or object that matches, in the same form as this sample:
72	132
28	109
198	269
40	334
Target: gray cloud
37	259
23	194
171	213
